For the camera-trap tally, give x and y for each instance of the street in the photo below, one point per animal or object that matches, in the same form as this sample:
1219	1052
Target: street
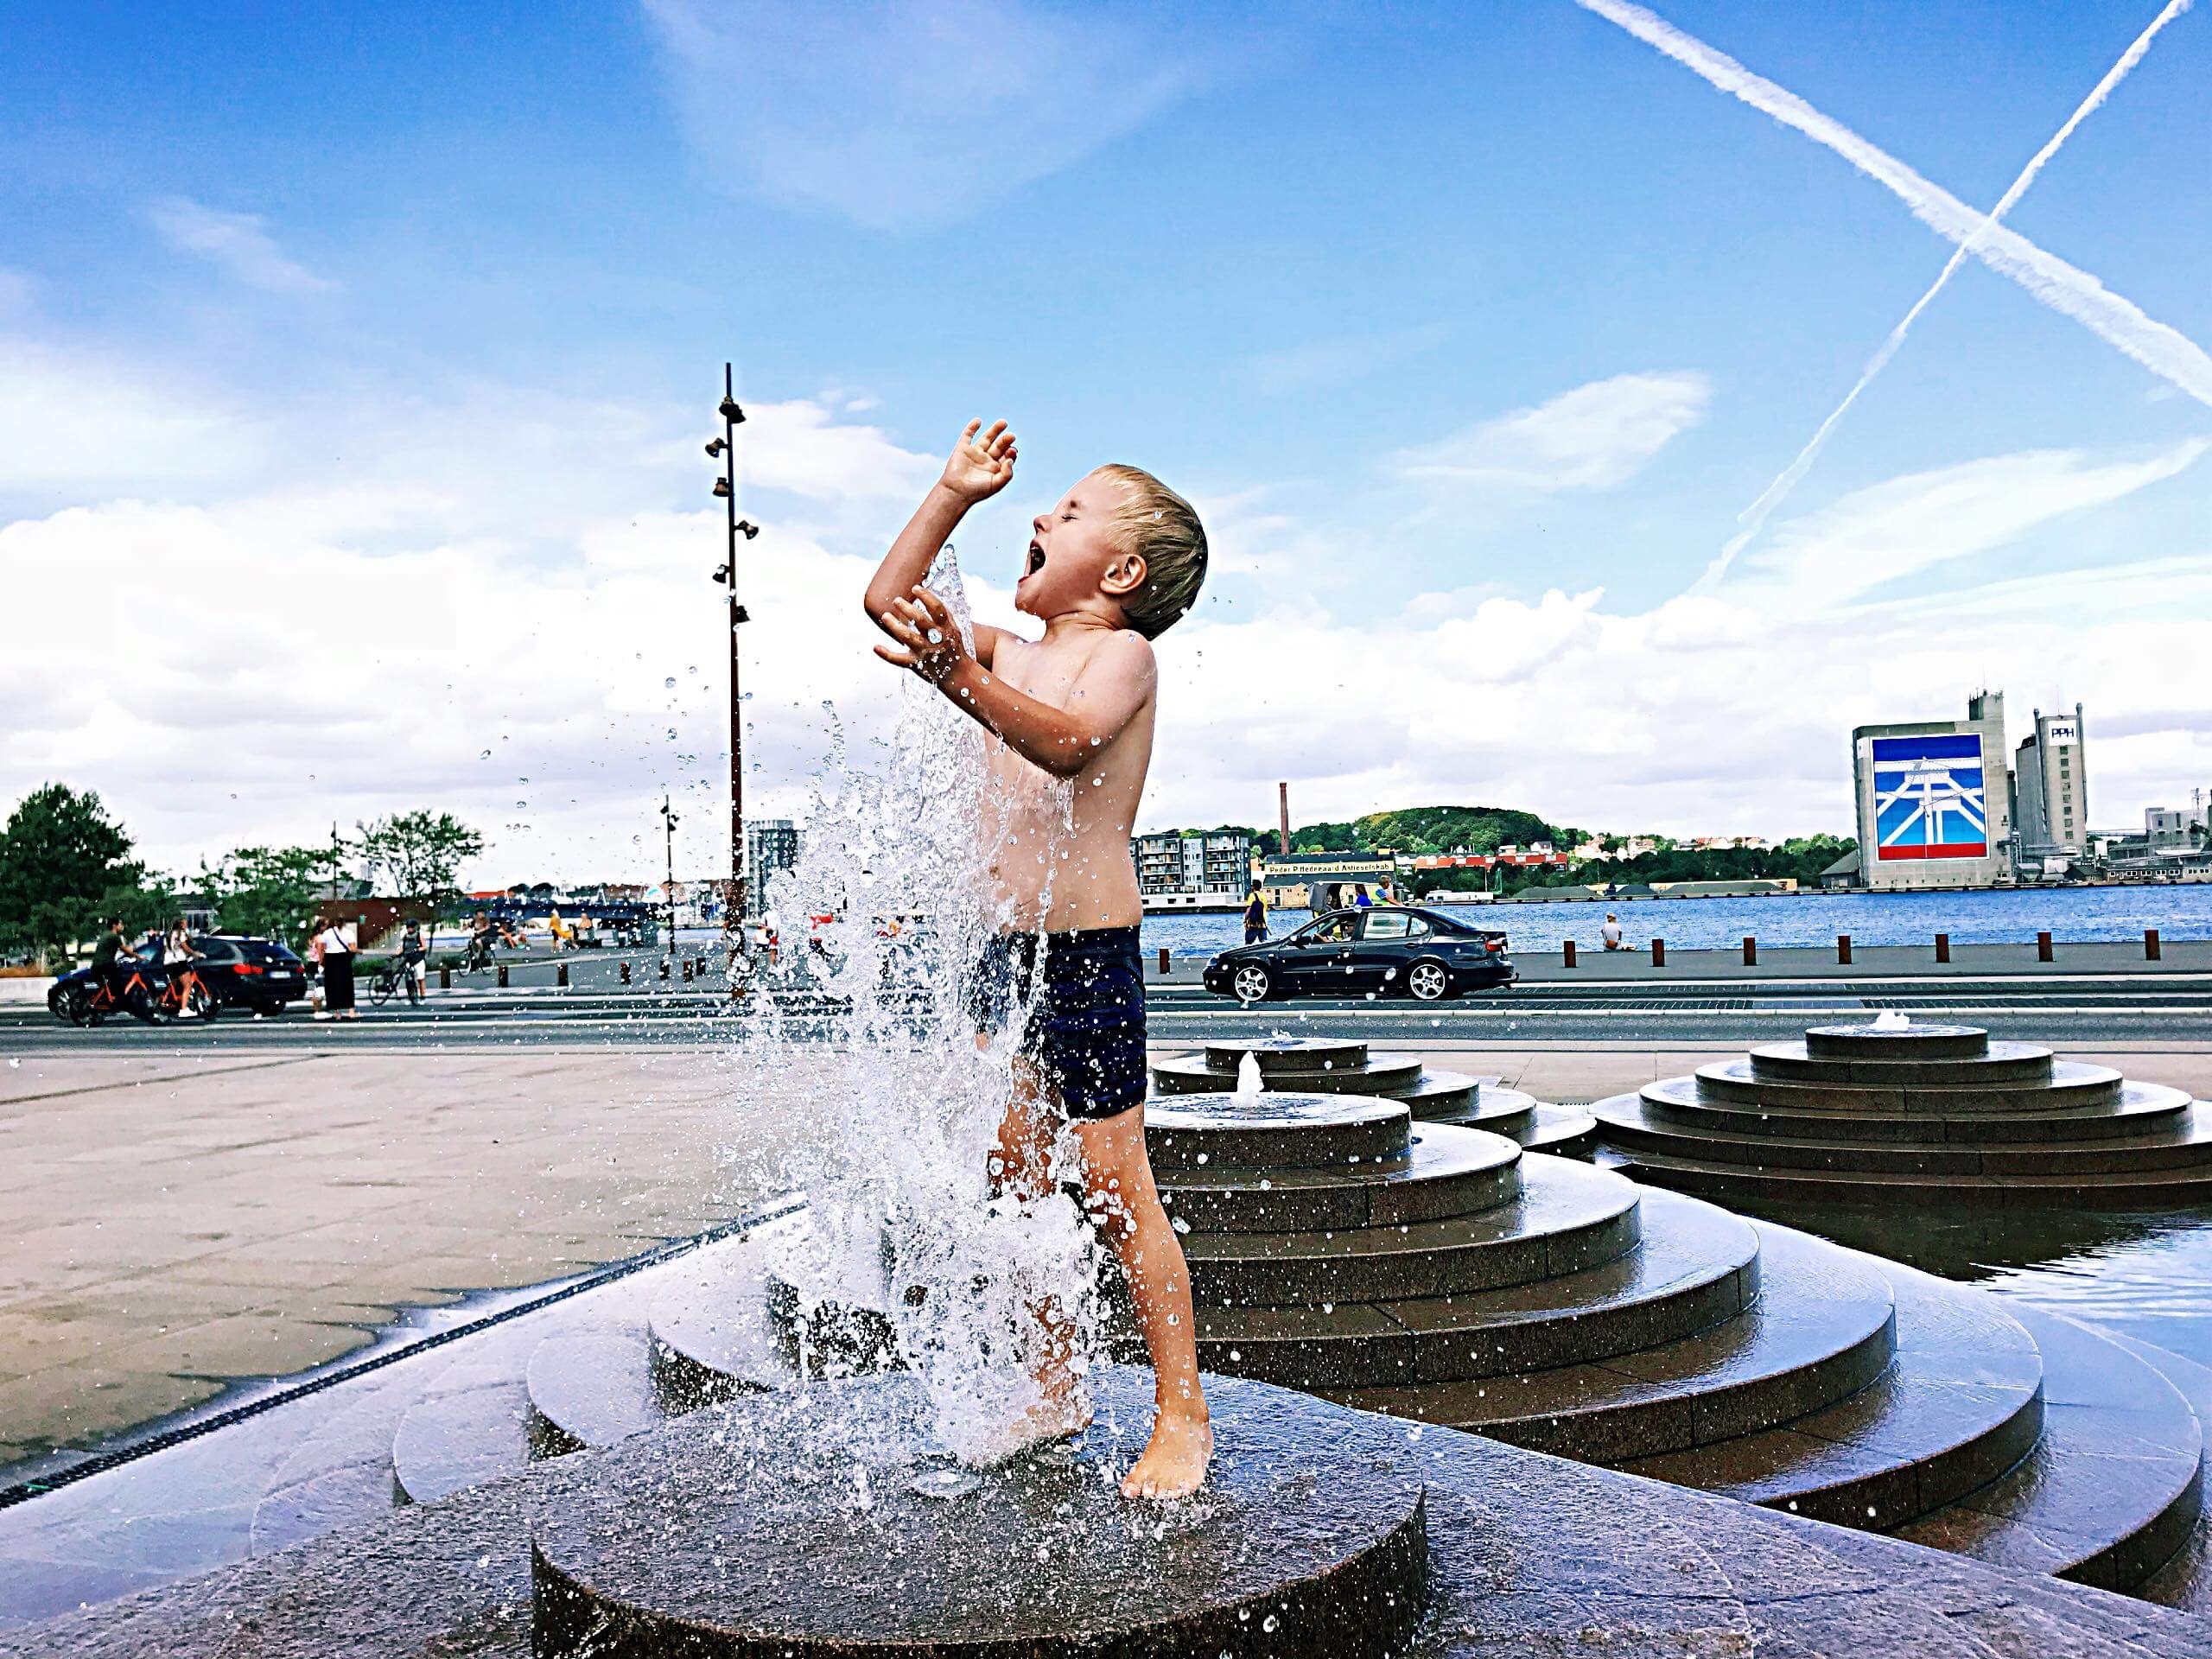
2103	1009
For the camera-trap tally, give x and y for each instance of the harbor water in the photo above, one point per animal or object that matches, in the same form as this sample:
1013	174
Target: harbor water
2075	915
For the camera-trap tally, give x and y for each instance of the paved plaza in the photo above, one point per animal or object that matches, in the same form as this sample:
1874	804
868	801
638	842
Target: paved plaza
192	1219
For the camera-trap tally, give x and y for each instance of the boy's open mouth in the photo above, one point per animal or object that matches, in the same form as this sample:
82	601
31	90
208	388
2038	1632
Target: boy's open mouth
1036	560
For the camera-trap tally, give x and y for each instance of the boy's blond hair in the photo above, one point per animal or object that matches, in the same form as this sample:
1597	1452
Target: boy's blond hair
1163	529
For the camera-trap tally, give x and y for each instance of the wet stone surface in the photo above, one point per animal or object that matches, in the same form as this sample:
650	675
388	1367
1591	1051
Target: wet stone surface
1286	1053
1909	1041
805	1524
1276	1127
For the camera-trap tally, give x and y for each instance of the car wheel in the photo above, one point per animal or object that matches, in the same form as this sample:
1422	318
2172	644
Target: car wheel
1251	982
1428	981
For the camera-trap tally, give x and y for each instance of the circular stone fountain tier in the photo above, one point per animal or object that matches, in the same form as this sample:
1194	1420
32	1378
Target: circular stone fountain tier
1339	1066
1869	1112
1287	1130
797	1525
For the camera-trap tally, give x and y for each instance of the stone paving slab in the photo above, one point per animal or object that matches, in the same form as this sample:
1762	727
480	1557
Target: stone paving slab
181	1223
1529	1554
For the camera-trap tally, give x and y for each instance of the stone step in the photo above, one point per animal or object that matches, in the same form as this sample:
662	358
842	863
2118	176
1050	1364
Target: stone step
1274	1130
2185	1581
2147	1189
708	1331
1567	1217
2141	1108
1387	1074
460	1436
1505	1111
1822	1328
1285	1053
1439	1094
1961	1404
1695	1266
2005	1062
1636	1126
1563	1131
2114	1486
1914	1041
1449	1172
2072	1086
590	1387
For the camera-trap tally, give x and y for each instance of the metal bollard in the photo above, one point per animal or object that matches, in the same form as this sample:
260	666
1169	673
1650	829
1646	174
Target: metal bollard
560	975
687	971
2043	947
1943	947
1658	953
625	973
1843	950
663	968
1570	953
1751	951
445	978
503	976
2151	948
1163	961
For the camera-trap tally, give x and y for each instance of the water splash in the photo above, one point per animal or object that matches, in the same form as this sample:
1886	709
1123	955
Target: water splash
1890	1019
892	1109
1248	1077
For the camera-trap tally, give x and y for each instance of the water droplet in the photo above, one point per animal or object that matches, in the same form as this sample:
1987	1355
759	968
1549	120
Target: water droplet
671	734
1097	781
669	683
487	755
694	668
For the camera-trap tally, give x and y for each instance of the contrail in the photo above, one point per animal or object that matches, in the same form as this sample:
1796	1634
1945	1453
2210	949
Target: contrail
2165	352
1753	518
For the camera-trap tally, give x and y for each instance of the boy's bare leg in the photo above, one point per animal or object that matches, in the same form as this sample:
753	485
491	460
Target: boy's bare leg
1021	1166
1122	1199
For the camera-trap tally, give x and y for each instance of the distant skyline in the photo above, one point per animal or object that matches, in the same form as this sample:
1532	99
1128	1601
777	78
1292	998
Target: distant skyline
354	367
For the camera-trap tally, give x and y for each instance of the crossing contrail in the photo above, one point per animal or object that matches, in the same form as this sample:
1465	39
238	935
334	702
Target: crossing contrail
2165	352
1753	519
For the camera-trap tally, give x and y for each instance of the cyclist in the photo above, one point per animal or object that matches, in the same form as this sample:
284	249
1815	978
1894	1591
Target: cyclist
480	942
109	954
177	948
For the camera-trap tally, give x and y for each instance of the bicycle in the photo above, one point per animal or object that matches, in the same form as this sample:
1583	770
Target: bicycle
390	976
186	996
87	1001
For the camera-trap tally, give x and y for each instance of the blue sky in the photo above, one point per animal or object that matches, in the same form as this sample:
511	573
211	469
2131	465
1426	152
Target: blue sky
1471	328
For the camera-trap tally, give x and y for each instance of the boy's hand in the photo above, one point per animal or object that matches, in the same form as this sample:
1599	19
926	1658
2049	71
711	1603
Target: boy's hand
928	638
978	468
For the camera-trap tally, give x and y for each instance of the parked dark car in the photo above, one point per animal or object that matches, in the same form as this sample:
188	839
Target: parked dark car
258	974
1388	949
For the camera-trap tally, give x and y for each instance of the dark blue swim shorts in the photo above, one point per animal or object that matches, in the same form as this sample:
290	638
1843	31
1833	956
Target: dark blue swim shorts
1080	998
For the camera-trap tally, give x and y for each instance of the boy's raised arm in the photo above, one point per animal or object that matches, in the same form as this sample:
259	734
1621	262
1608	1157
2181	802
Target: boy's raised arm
1113	686
978	468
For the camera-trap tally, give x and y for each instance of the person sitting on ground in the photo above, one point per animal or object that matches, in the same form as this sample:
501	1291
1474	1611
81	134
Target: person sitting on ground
1610	934
1110	569
1255	918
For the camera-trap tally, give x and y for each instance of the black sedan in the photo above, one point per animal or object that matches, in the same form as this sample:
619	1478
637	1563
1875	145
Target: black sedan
1423	954
257	974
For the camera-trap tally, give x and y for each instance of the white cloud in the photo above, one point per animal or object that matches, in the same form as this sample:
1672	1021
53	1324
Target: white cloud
77	419
904	113
1905	525
1595	437
239	243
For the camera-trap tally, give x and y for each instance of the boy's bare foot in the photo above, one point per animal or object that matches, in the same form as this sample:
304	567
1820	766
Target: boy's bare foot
1174	1464
1061	1414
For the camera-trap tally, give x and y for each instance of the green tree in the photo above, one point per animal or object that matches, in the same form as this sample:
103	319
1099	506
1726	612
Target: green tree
419	852
272	892
65	867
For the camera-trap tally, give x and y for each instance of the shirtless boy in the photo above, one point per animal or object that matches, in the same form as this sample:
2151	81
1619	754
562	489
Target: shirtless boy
1107	570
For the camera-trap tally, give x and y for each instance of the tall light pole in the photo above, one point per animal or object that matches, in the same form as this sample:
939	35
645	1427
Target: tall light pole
726	486
668	816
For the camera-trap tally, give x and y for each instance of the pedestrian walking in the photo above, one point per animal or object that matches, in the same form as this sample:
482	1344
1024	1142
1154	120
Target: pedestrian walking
1255	918
414	962
336	972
